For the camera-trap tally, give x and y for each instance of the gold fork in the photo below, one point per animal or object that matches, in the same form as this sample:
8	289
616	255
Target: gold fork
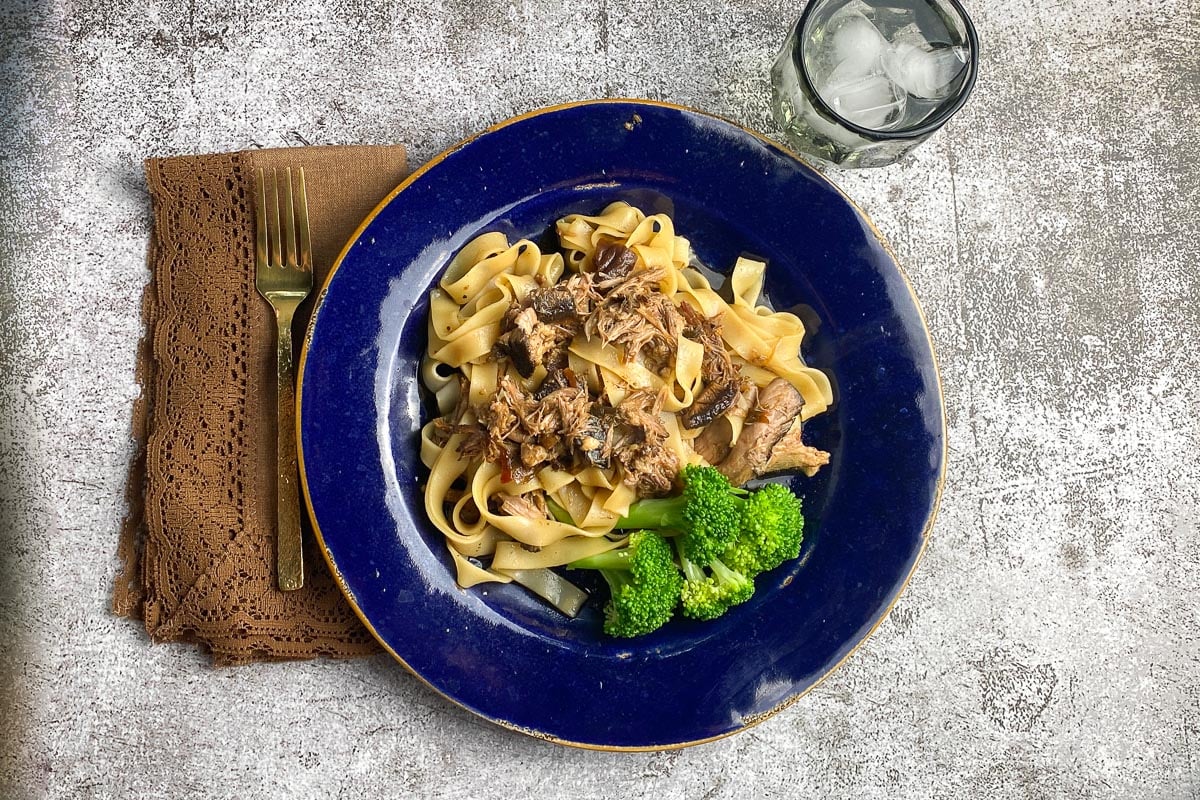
283	256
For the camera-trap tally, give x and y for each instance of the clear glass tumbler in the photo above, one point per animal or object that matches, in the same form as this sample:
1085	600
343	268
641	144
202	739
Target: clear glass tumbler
860	83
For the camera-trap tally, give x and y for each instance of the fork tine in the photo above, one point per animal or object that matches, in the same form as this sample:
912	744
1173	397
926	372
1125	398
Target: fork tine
272	218
260	214
302	221
288	254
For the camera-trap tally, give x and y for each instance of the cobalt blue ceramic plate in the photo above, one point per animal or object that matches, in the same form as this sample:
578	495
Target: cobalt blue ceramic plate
495	649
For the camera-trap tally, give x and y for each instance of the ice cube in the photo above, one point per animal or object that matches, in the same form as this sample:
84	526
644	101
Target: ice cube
871	101
849	71
848	41
929	74
856	40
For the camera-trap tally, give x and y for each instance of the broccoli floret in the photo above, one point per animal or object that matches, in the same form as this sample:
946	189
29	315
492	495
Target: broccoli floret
707	594
772	528
644	583
707	513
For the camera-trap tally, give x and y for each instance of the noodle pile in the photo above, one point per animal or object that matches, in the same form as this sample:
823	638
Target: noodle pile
472	499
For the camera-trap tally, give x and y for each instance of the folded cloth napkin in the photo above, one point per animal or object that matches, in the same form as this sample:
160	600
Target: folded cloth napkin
197	550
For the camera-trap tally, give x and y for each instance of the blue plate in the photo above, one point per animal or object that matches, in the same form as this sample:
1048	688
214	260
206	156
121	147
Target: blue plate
495	649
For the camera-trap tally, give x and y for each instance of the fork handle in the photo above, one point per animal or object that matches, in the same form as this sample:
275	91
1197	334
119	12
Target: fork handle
289	558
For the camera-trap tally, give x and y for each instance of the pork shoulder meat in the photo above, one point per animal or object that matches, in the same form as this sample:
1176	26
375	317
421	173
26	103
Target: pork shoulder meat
634	314
531	505
717	366
640	445
778	406
594	441
650	468
529	341
537	333
791	455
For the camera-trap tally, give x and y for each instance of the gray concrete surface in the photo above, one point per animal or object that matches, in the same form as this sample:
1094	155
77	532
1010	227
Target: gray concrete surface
1047	646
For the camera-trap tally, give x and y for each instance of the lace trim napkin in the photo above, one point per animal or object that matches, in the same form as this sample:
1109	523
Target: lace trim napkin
197	549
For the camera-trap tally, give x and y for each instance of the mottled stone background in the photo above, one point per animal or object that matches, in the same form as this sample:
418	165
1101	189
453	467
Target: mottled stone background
1047	646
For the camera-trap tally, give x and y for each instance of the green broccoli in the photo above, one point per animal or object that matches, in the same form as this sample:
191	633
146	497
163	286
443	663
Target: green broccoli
707	513
772	528
644	583
709	594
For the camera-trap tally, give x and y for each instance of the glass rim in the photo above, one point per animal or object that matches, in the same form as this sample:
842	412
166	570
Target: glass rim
931	123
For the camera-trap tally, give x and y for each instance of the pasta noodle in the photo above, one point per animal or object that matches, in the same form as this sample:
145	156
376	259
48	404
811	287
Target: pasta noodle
504	500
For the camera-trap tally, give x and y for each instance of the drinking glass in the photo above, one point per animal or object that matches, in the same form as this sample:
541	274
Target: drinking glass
860	83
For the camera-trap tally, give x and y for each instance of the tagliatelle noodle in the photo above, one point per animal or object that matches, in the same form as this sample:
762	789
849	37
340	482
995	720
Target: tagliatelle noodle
511	555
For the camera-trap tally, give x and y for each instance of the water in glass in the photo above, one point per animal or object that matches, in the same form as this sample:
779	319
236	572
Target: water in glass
887	68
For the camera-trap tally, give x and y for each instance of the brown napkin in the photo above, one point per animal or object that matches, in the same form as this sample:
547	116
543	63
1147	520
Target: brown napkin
198	548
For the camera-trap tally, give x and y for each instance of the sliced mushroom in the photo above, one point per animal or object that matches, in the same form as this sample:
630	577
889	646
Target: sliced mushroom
713	401
612	260
556	304
555	379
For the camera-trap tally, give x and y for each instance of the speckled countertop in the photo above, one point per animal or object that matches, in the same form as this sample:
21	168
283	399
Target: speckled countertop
1047	646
